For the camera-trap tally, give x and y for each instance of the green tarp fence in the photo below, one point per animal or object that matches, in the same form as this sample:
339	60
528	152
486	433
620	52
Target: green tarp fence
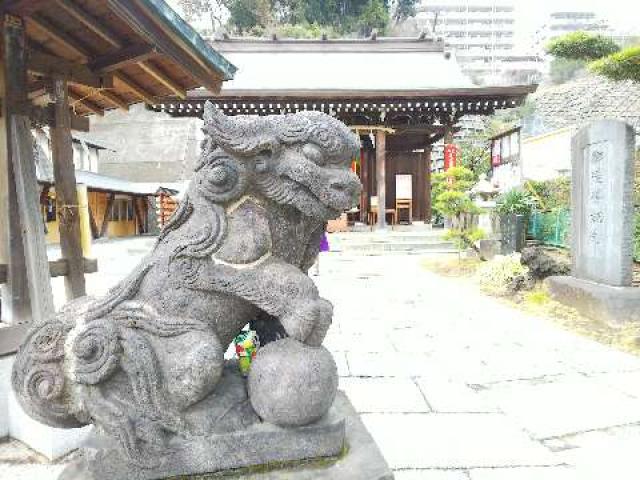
550	228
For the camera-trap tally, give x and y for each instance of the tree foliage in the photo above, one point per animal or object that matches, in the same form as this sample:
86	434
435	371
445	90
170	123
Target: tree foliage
581	46
604	55
404	9
475	157
300	18
623	65
246	15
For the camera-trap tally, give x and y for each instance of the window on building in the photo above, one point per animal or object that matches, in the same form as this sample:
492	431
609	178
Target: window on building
121	210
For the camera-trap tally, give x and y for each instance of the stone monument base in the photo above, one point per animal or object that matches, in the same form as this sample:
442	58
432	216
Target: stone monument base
338	447
615	305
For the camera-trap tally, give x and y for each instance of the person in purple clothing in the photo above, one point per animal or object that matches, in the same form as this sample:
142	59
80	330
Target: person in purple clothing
324	247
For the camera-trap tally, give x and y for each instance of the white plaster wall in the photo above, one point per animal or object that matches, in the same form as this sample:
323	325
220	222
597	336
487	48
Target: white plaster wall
547	156
53	443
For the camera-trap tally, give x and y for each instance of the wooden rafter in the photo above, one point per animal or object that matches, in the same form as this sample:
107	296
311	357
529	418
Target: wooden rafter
90	22
163	78
85	103
45	64
115	100
133	87
59	36
23	7
126	56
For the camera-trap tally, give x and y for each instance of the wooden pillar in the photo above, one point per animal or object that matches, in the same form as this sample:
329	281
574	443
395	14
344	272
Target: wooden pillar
85	220
381	165
104	226
25	218
66	193
16	306
421	187
138	210
427	206
364	180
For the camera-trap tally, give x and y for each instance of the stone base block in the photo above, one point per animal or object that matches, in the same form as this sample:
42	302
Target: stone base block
338	447
615	305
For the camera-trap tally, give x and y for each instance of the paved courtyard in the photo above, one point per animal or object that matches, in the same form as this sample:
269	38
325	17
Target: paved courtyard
454	385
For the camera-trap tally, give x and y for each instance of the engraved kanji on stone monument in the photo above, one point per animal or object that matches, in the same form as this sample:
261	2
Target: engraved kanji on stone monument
602	202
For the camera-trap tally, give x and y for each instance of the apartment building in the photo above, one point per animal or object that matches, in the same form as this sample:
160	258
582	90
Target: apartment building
481	35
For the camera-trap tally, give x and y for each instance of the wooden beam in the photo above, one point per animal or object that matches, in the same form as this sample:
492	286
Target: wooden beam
105	219
23	8
79	124
47	65
66	192
115	100
127	56
163	78
57	268
90	22
33	258
59	37
89	105
134	88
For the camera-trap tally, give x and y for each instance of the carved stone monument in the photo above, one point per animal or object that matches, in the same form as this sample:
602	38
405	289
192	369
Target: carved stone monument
145	364
602	223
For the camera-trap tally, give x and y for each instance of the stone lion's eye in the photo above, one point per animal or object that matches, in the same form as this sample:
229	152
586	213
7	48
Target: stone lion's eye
313	153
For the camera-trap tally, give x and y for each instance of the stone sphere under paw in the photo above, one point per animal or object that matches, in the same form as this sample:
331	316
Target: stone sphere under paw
292	384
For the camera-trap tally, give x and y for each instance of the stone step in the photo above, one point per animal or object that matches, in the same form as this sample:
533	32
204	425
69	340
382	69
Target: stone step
383	247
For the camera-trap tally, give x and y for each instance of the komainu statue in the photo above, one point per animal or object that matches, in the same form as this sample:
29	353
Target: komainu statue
145	364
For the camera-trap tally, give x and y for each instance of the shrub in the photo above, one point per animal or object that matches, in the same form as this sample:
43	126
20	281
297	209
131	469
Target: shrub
449	192
581	46
497	275
515	201
464	239
550	195
624	65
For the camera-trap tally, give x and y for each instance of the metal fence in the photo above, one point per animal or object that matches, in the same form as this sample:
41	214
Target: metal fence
551	228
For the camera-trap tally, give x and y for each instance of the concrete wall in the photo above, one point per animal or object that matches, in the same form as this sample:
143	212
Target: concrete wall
5	385
147	146
547	156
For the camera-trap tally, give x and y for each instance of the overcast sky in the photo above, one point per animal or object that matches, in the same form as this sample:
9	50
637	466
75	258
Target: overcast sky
623	14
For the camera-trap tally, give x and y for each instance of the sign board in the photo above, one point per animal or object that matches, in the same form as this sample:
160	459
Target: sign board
450	156
404	184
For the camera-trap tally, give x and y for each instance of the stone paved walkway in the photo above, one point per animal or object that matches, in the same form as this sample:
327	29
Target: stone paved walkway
454	385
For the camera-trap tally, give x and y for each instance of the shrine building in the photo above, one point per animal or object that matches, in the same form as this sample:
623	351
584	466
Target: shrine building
401	95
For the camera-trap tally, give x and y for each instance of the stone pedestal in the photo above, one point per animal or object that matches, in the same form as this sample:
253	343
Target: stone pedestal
615	305
342	447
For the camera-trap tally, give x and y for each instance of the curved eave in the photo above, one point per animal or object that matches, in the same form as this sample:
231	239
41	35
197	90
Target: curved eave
473	92
181	33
